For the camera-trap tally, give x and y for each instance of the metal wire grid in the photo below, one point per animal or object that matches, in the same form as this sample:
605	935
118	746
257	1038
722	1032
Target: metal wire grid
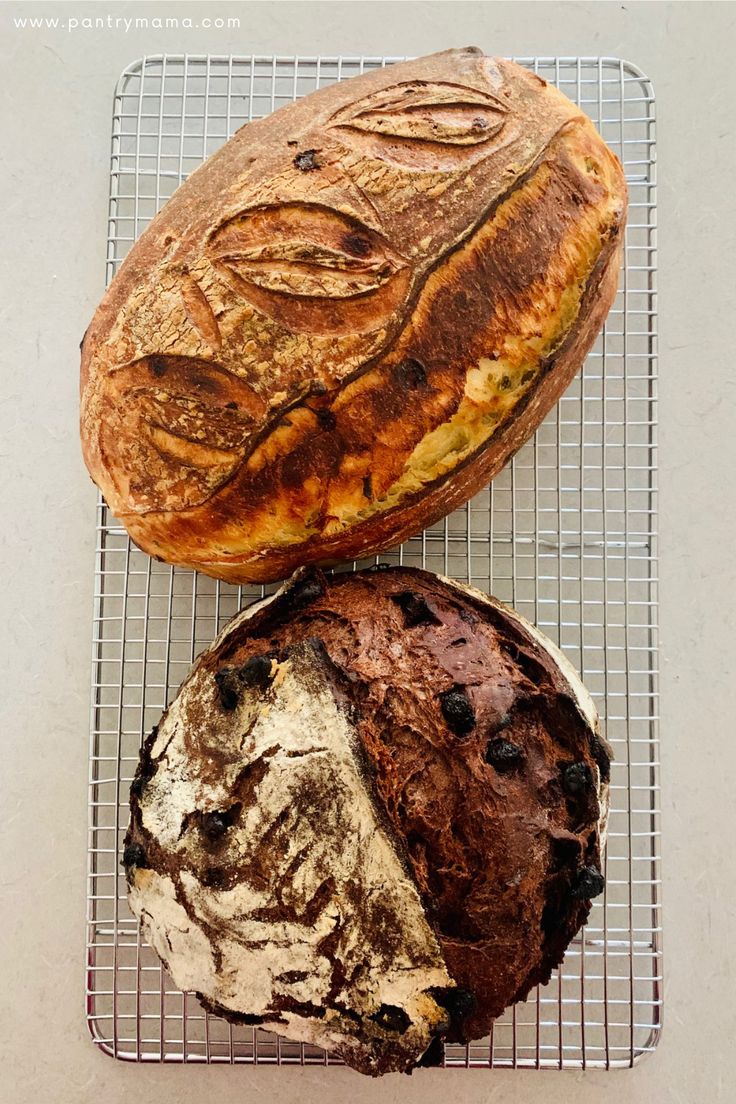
566	533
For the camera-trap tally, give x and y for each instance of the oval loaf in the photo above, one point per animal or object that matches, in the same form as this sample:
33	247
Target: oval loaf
346	321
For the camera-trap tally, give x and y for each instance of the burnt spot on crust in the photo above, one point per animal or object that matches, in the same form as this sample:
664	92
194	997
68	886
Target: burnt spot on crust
214	825
291	977
158	365
134	855
503	755
228	686
434	1055
458	1003
457	710
306	161
356	244
146	768
601	755
138	785
416	610
306	587
411	373
231	681
564	909
469	616
256	672
219	877
589	883
392	1018
577	778
367	487
326	418
581	793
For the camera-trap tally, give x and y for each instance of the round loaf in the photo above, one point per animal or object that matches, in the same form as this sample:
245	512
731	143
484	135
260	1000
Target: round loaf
350	317
373	816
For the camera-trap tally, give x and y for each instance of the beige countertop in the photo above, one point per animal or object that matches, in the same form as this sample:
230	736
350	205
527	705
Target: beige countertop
57	90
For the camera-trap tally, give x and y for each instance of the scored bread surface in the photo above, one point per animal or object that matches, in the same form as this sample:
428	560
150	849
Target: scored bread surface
347	320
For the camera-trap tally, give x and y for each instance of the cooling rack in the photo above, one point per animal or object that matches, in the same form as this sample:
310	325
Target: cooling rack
567	533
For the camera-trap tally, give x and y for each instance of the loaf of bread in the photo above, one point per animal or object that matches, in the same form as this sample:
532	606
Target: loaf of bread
351	316
372	818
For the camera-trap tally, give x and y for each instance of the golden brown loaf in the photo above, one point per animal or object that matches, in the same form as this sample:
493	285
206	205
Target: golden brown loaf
373	816
350	317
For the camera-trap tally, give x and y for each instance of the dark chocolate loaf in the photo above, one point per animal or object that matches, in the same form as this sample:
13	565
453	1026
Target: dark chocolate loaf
388	728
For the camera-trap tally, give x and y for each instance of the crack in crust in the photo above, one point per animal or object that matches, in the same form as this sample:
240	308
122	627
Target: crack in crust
457	213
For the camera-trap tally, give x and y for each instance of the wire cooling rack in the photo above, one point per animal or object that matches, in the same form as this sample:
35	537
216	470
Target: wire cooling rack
566	533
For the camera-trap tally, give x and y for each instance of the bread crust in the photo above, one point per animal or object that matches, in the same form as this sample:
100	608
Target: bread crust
349	318
484	768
